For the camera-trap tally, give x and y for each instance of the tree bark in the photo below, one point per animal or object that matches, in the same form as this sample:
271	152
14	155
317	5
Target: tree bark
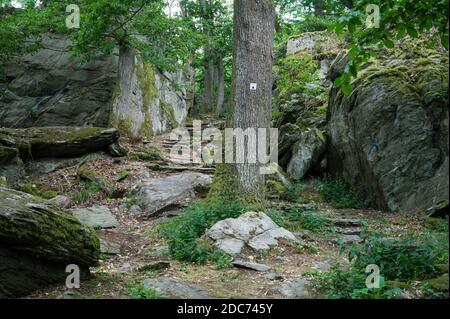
190	96
318	8
220	85
208	57
253	39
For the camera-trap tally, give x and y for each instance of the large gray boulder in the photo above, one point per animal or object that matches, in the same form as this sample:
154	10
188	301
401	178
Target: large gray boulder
252	230
389	139
155	195
49	88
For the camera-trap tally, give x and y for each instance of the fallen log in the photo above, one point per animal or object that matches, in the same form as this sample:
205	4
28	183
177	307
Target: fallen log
38	142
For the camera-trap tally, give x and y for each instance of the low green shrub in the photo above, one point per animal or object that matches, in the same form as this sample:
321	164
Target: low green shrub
339	194
411	257
184	233
404	261
313	23
85	192
138	291
37	189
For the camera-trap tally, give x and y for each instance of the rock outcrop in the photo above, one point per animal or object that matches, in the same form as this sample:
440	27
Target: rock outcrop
48	88
389	139
302	121
37	242
39	142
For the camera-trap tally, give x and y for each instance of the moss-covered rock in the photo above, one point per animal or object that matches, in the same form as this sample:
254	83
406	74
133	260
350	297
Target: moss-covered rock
87	173
117	150
37	242
389	139
148	154
40	142
32	225
439	284
319	43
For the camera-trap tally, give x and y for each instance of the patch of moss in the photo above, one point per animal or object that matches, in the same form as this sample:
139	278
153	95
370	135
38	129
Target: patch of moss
37	189
439	284
168	113
147	80
148	154
89	174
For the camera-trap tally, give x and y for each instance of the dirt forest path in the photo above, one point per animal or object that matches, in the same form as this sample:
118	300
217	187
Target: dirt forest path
134	251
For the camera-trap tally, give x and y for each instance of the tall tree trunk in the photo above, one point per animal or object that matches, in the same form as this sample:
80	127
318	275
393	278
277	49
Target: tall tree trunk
190	94
191	82
318	8
220	85
209	78
348	3
208	57
253	39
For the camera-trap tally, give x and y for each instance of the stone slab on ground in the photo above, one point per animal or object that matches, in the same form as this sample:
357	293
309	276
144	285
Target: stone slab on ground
158	194
175	288
98	217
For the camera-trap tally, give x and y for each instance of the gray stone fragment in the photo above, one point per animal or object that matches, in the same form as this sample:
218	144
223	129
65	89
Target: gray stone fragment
251	266
174	288
297	289
98	217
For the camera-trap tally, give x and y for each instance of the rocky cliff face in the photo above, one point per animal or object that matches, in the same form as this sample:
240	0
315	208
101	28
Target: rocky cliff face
389	139
50	89
303	116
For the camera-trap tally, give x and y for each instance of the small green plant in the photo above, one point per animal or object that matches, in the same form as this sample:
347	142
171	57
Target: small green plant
309	219
222	259
184	233
295	72
86	191
403	261
293	193
138	291
313	23
348	282
411	257
339	194
277	217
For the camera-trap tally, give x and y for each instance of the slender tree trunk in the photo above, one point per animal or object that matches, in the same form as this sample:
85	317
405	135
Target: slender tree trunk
191	80
208	57
209	79
220	85
318	8
348	3
253	37
190	94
